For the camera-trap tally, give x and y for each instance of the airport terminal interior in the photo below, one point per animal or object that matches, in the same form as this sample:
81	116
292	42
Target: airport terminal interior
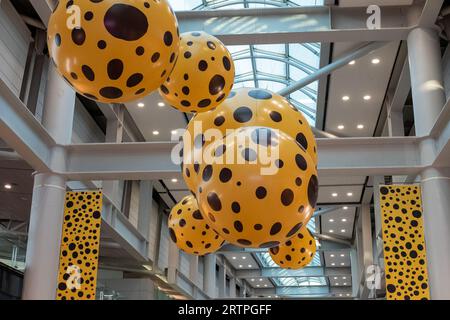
95	99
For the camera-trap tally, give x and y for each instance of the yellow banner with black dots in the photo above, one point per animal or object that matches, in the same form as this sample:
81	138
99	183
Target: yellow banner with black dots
404	243
80	242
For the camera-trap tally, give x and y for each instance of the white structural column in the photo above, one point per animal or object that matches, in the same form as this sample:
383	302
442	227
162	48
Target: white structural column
232	287
222	282
209	275
47	210
429	99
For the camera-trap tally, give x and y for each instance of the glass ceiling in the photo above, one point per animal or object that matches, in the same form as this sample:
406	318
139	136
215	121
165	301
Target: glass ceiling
272	66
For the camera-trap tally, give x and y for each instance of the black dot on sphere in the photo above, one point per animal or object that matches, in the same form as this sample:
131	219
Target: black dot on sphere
243	114
134	80
257	227
414	223
62	286
164	89
211	45
413	254
384	190
88	16
96	214
219	121
238	226
69	204
207	173
226	63
287	197
275	229
155	57
202	65
235	206
88	72
197	215
276	116
115	69
274	250
204	103
294	230
140	51
244	242
260	94
185	103
111	92
173	235
301	162
216	84
313	191
225	175
302	141
196	34
249	154
101	44
214	201
58	39
182	223
261	192
187	54
78	36
189	244
126	22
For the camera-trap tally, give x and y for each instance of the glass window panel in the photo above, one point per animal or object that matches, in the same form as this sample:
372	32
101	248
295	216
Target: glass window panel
273	67
180	5
271	85
277	48
243	66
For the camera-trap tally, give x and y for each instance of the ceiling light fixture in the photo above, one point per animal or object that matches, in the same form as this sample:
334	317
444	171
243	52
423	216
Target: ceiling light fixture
367	97
334	194
240	266
253	280
331	231
173	132
333	264
342	264
352	62
360	126
342	255
341	127
331	220
8	186
343	231
155	133
174	180
345	208
244	257
344	220
350	194
332	255
249	265
234	258
345	98
261	279
141	105
376	61
161	104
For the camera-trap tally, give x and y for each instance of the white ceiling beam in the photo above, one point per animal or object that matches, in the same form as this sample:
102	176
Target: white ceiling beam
284	273
297	25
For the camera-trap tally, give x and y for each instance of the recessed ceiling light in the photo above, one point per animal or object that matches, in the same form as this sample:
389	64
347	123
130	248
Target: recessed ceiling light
249	265
344	278
337	283
141	105
352	62
244	257
335	278
234	258
331	231
360	126
258	285
265	285
269	297
240	266
345	208
173	132
345	283
8	186
253	280
333	264
161	104
331	220
342	230
261	279
342	255
341	127
342	264
344	220
345	98
332	255
367	97
340	295
334	194
174	180
155	133
376	61
350	194
348	294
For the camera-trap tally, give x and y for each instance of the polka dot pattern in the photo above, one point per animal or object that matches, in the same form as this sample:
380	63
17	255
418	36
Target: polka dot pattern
404	243
256	210
190	231
203	75
251	107
295	253
80	240
118	50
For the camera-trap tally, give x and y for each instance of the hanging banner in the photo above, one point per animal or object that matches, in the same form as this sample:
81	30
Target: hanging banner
80	241
404	243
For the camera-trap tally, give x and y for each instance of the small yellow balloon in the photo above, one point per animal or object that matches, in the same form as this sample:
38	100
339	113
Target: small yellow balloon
114	51
297	252
190	231
203	75
244	107
260	188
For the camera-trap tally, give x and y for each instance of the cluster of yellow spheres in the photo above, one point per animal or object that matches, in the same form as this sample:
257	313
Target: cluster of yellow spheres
265	192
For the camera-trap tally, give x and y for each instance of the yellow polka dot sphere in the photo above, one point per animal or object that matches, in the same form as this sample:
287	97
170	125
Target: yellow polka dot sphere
252	202
190	231
297	252
117	51
245	107
203	75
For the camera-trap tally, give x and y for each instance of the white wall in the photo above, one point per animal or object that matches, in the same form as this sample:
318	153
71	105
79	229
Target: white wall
85	130
14	41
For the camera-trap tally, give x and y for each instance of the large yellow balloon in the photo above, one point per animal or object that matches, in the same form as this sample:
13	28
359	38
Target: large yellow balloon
253	202
118	51
297	252
245	107
190	231
203	75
